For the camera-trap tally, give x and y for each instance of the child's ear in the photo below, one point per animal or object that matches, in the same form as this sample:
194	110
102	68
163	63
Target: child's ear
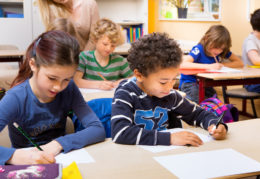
32	64
138	75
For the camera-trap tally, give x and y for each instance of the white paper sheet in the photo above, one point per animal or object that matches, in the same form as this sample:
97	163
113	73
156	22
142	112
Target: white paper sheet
161	148
79	156
87	91
226	70
208	164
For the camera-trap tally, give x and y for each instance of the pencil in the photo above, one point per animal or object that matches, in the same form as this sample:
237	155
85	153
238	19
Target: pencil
220	118
101	76
26	135
215	59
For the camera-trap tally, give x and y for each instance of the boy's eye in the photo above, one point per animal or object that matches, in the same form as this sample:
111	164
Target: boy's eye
162	83
52	79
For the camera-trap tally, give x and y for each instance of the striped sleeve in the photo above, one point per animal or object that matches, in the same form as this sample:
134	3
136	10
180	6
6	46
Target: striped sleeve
82	62
125	69
191	113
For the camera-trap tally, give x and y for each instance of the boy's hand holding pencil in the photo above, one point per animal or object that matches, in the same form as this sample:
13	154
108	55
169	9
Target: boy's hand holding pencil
106	85
218	131
101	76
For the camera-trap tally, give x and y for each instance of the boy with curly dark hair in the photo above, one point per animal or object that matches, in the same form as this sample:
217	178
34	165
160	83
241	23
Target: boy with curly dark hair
145	105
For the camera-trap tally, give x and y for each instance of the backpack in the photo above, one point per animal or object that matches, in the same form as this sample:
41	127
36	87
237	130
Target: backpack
217	107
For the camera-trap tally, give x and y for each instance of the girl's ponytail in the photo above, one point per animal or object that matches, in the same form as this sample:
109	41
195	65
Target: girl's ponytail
24	70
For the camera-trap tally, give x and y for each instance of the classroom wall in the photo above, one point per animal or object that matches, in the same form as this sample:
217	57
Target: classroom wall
233	16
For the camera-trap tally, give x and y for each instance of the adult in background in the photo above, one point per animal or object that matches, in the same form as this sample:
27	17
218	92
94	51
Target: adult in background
83	13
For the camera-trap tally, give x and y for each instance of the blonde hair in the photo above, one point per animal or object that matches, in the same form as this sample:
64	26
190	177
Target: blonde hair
65	25
50	10
216	37
109	28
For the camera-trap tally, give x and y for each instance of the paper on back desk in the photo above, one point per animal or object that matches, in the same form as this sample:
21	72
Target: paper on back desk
226	70
162	148
208	164
79	156
88	91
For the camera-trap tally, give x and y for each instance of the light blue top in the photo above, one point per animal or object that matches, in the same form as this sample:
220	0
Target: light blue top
45	122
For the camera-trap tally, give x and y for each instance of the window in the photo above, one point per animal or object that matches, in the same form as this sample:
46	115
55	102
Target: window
190	10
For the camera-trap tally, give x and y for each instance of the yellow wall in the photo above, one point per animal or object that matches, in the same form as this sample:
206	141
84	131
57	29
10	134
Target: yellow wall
233	16
151	15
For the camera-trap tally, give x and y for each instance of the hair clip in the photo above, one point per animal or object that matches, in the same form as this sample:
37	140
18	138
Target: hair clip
1	170
35	45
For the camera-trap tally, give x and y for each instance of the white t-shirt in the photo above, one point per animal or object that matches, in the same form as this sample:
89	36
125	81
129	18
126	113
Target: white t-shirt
250	43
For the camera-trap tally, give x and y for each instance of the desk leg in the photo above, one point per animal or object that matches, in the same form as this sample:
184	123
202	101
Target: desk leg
201	89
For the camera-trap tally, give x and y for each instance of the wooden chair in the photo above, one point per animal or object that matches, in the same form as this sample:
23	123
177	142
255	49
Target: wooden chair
243	94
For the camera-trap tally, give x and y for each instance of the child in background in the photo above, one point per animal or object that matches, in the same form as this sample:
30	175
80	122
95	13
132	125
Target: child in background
208	54
40	99
66	25
101	69
145	105
251	48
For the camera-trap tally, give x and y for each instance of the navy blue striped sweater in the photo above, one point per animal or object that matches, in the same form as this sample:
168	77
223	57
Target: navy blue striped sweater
139	119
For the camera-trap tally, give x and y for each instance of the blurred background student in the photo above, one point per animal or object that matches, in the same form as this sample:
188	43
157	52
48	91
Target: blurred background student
251	48
101	68
208	54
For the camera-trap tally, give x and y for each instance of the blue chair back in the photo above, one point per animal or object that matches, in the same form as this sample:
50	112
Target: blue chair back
102	107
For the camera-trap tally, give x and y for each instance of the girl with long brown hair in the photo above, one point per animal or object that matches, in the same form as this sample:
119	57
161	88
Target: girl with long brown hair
42	95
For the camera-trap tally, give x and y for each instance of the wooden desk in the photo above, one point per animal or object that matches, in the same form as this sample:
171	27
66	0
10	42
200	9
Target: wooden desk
130	161
90	94
123	49
246	77
11	56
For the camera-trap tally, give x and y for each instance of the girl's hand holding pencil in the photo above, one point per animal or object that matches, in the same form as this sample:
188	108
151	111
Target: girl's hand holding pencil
31	156
52	147
215	58
215	66
26	135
